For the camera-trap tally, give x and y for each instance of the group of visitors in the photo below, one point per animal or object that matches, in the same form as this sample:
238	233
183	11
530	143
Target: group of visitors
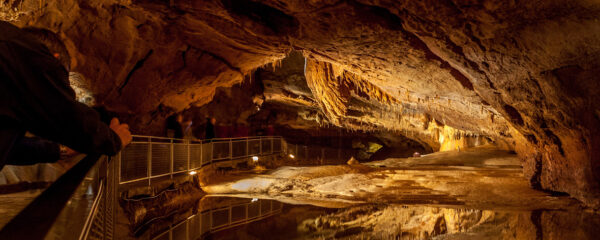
178	128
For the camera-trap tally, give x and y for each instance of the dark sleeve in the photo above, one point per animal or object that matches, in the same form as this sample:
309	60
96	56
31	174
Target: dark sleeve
43	101
28	151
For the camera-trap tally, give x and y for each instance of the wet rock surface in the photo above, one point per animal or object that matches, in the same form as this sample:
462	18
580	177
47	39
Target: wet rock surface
521	72
483	178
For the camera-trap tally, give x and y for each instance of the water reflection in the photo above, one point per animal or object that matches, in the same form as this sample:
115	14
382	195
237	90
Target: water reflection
212	214
252	218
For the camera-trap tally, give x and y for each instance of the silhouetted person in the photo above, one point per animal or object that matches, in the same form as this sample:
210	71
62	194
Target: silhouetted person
174	129
187	129
35	96
210	128
270	131
240	130
33	150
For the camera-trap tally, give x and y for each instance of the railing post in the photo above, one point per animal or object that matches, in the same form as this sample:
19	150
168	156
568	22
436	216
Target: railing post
118	166
211	220
115	187
149	161
230	213
230	149
187	229
212	151
171	158
189	162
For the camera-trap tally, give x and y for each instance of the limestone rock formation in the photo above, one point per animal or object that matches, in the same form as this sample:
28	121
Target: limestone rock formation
520	72
353	161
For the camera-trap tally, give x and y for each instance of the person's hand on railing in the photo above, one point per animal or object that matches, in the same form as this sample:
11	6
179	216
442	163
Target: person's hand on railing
67	152
122	130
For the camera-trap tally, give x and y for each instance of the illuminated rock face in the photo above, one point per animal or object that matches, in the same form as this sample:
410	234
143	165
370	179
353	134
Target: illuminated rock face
524	73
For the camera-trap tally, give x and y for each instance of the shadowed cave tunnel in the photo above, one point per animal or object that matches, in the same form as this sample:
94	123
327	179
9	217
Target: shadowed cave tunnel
498	97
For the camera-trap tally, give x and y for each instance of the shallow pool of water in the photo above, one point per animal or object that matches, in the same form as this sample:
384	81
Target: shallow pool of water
254	218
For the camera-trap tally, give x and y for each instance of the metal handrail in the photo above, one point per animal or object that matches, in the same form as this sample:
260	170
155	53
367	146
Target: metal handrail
212	139
191	163
92	219
93	212
35	221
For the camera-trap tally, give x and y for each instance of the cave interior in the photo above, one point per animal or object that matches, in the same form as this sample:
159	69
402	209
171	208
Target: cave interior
437	96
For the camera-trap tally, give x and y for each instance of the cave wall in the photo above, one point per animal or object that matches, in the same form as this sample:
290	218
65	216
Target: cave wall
525	72
537	64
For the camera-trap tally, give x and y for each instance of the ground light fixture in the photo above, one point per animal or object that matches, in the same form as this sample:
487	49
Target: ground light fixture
292	156
255	158
192	172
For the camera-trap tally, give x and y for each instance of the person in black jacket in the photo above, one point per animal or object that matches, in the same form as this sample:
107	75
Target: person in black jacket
174	128
33	150
210	128
35	96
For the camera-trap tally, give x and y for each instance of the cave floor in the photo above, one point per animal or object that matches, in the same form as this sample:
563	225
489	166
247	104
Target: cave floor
481	178
477	193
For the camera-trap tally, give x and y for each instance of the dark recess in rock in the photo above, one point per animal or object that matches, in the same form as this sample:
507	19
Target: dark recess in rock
514	115
269	20
137	66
